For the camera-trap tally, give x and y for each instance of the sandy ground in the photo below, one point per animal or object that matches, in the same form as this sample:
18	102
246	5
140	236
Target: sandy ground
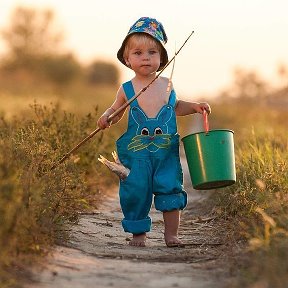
98	255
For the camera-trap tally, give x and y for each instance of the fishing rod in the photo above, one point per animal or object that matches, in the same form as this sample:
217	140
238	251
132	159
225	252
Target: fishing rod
120	109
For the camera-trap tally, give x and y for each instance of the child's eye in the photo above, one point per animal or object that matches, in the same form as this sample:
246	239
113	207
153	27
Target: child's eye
137	53
145	131
152	52
158	131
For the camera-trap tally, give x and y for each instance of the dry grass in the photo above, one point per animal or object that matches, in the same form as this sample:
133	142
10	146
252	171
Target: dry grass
257	205
34	201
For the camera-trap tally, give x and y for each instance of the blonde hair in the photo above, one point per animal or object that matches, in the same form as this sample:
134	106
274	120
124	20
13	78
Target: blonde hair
141	38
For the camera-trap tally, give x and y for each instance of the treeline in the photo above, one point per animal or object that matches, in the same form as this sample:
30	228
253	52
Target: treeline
34	51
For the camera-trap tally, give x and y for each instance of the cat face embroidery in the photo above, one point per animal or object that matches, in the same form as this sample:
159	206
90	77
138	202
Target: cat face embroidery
152	133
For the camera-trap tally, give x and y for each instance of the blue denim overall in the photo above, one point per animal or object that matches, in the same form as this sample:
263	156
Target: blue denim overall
150	149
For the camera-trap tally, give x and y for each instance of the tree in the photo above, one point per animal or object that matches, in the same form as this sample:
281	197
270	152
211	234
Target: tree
31	34
60	69
247	85
34	46
101	72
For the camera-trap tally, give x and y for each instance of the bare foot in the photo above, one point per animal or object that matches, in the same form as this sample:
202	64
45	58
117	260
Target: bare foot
173	241
172	221
138	240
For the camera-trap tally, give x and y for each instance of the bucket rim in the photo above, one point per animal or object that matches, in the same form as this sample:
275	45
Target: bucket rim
210	131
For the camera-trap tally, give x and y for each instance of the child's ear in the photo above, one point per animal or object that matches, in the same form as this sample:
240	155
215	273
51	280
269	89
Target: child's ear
127	62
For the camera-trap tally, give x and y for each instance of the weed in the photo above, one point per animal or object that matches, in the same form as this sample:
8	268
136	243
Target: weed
35	201
258	202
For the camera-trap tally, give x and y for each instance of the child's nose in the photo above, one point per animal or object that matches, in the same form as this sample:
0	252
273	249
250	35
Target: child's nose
146	56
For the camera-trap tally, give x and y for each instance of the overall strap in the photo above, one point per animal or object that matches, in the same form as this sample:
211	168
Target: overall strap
172	98
129	91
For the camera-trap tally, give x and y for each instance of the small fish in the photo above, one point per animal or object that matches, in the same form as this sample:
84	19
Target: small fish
116	166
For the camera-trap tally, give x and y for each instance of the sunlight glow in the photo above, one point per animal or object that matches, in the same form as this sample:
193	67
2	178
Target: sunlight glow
228	34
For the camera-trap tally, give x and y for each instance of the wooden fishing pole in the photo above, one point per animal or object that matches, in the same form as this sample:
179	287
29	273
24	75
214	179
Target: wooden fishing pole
120	109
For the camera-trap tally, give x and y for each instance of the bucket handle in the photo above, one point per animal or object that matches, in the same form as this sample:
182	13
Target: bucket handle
205	120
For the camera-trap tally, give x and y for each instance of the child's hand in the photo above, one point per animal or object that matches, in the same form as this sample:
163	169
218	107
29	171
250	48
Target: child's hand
103	122
203	106
186	108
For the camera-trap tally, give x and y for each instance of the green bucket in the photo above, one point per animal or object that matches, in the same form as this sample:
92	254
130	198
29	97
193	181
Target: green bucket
210	158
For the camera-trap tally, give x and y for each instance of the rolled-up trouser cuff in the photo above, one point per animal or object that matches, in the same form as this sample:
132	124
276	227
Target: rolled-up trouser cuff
170	202
137	226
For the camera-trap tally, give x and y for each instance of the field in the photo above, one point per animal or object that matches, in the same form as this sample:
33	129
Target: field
49	102
257	205
34	201
38	126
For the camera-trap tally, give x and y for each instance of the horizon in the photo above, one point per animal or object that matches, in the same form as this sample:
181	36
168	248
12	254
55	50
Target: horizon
228	35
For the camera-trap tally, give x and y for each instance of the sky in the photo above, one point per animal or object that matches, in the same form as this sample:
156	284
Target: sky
228	34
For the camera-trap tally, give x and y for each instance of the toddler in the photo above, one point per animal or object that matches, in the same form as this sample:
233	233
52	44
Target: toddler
150	146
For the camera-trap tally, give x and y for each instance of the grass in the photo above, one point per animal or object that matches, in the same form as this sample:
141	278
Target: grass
77	98
34	201
257	205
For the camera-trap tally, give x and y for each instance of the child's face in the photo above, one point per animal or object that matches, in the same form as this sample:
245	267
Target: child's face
143	57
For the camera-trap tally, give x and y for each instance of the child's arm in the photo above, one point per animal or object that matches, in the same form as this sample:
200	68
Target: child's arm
119	101
184	108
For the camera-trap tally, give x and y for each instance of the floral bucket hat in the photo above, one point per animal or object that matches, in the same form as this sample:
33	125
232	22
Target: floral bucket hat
152	27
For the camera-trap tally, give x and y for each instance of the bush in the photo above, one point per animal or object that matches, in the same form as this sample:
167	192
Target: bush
60	69
35	201
101	72
257	205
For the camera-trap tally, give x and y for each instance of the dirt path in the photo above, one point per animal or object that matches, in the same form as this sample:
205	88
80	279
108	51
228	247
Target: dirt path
98	254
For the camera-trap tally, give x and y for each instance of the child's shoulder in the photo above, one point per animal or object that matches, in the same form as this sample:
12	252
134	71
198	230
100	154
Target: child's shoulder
165	82
120	93
126	82
164	79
